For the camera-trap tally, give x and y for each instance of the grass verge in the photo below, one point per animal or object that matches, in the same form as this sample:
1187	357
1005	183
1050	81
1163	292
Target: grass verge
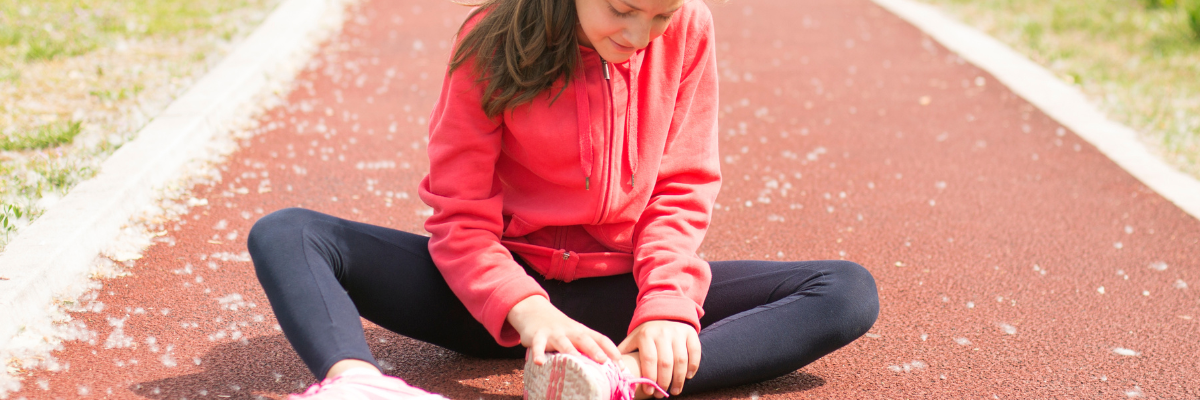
47	29
79	78
46	136
1138	61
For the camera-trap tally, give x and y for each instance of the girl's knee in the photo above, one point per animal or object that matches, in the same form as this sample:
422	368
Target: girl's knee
276	224
277	232
856	279
857	295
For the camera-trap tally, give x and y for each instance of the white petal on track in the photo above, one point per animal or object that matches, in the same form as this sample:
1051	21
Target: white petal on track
1126	352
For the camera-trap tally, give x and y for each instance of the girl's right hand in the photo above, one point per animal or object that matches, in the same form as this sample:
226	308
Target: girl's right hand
544	328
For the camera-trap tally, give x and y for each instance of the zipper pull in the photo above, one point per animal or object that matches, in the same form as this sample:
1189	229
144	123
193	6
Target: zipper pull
587	183
566	256
605	65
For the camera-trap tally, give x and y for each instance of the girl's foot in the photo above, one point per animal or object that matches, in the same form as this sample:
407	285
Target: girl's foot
572	377
364	386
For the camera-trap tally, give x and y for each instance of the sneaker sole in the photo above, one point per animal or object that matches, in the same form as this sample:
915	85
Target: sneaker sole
564	378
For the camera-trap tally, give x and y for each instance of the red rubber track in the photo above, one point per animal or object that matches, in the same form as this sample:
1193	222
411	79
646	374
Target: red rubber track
845	133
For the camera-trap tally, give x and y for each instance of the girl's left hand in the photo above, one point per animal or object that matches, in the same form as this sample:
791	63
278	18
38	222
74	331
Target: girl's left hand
669	353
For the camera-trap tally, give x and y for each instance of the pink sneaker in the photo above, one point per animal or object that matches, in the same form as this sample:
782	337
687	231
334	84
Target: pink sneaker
572	377
364	387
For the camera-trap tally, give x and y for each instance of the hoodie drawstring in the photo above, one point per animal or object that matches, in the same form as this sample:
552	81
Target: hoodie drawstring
585	132
631	116
586	158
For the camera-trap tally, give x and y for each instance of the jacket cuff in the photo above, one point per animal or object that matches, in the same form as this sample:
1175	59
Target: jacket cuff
667	307
501	301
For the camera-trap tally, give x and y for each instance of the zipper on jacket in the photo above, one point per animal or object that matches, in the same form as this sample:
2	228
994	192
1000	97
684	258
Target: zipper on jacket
587	181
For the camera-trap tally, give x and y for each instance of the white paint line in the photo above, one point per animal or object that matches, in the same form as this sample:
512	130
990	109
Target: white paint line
1060	101
53	255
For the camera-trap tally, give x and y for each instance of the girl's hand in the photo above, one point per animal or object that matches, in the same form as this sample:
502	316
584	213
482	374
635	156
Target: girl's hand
544	328
669	353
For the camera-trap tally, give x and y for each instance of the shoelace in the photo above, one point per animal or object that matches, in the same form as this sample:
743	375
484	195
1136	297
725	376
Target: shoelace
624	385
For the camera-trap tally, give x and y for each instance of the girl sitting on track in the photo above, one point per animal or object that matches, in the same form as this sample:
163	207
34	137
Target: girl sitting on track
573	170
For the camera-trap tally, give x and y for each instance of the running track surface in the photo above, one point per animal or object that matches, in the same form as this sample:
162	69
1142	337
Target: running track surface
1013	259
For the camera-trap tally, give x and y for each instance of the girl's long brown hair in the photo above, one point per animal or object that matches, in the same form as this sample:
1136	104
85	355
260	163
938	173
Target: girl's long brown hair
520	48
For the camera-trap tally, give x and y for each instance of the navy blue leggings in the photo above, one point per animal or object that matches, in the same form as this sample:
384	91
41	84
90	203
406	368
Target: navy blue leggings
762	319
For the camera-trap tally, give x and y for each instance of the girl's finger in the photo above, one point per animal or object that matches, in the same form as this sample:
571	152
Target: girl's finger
628	345
693	347
649	356
587	344
562	344
538	349
607	346
680	370
666	362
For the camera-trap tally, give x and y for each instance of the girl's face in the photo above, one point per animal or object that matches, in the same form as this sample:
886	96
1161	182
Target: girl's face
617	28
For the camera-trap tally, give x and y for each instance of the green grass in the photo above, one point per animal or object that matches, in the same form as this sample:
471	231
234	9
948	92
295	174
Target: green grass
45	30
1138	60
10	214
47	136
45	174
117	94
1193	16
46	47
1191	8
48	29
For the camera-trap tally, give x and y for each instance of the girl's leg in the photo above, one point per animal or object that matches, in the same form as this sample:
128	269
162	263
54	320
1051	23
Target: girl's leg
762	319
766	319
321	273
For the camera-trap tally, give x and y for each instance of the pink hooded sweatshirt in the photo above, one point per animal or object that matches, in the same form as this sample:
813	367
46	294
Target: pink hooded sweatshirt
617	175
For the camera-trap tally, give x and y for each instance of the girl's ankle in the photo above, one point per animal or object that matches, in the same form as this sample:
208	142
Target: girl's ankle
632	363
353	367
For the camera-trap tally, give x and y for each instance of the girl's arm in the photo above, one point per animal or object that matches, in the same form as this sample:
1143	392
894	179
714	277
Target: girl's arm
672	280
465	193
466	226
467	222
